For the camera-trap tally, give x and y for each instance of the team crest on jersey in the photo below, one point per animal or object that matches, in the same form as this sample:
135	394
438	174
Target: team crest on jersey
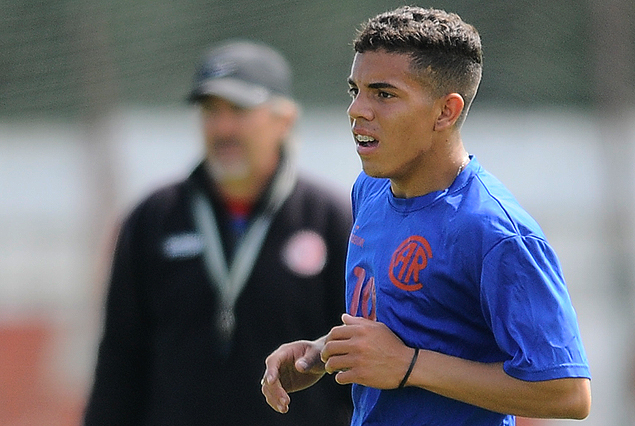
408	261
305	253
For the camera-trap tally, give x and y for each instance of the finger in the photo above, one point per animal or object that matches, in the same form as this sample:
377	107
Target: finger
275	395
348	329
341	332
338	363
272	367
337	356
335	347
344	377
272	388
269	377
351	320
303	365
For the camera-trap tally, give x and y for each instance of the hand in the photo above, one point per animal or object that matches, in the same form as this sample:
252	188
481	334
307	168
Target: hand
365	352
290	368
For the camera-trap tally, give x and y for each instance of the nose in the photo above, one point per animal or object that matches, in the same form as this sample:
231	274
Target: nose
359	109
222	121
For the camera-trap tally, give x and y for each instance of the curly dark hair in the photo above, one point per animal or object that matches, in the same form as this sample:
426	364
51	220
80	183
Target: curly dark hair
446	52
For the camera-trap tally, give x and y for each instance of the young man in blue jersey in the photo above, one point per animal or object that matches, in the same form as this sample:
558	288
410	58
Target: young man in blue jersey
457	310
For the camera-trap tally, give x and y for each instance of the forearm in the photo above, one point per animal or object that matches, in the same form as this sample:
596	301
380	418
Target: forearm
489	387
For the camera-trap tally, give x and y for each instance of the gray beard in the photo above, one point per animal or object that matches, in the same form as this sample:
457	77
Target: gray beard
223	173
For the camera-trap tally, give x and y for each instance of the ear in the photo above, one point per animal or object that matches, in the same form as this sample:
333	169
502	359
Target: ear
451	108
287	113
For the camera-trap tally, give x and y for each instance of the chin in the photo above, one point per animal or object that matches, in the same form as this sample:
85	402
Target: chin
223	172
374	171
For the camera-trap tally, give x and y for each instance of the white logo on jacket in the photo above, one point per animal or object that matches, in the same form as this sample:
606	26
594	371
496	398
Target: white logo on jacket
182	246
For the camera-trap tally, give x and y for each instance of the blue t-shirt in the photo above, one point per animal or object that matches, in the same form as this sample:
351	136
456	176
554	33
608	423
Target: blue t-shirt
465	272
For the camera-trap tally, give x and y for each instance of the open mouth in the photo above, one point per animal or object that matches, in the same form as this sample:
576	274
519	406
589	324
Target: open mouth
366	141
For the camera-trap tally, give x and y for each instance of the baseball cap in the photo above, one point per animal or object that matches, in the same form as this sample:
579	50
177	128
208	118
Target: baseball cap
243	72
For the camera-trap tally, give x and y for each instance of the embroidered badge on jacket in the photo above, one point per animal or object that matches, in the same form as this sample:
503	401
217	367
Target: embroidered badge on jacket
305	253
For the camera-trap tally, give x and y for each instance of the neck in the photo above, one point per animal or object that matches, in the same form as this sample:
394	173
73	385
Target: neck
244	191
464	163
438	173
241	189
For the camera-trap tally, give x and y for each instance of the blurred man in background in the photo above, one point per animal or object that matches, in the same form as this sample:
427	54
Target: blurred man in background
211	274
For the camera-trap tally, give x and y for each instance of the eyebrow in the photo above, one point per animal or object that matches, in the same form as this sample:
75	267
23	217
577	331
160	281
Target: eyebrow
378	85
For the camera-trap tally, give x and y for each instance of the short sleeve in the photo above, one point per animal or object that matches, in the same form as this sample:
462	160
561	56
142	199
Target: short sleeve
525	300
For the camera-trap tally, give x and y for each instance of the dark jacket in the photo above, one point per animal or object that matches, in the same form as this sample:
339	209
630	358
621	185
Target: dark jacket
161	360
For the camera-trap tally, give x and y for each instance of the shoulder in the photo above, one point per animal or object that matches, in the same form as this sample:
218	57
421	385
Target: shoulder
162	198
312	191
486	212
498	202
158	205
172	195
316	205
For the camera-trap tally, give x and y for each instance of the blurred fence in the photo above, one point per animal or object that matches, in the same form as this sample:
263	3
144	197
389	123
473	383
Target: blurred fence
72	57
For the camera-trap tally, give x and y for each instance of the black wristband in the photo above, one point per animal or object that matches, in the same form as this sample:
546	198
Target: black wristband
412	365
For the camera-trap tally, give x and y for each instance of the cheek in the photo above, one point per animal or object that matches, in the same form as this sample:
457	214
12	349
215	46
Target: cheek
273	129
207	125
265	140
404	129
416	127
272	133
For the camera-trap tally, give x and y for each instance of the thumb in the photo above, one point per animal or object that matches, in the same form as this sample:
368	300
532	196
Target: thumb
303	365
310	361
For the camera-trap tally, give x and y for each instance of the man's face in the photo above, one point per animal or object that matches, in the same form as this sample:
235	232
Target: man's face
392	115
242	143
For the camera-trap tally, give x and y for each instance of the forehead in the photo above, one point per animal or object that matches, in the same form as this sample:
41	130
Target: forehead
374	67
217	103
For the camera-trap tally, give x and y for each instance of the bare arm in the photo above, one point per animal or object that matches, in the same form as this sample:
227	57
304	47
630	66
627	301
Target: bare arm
368	353
488	386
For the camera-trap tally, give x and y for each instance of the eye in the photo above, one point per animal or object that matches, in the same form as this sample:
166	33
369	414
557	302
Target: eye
353	91
237	109
385	95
